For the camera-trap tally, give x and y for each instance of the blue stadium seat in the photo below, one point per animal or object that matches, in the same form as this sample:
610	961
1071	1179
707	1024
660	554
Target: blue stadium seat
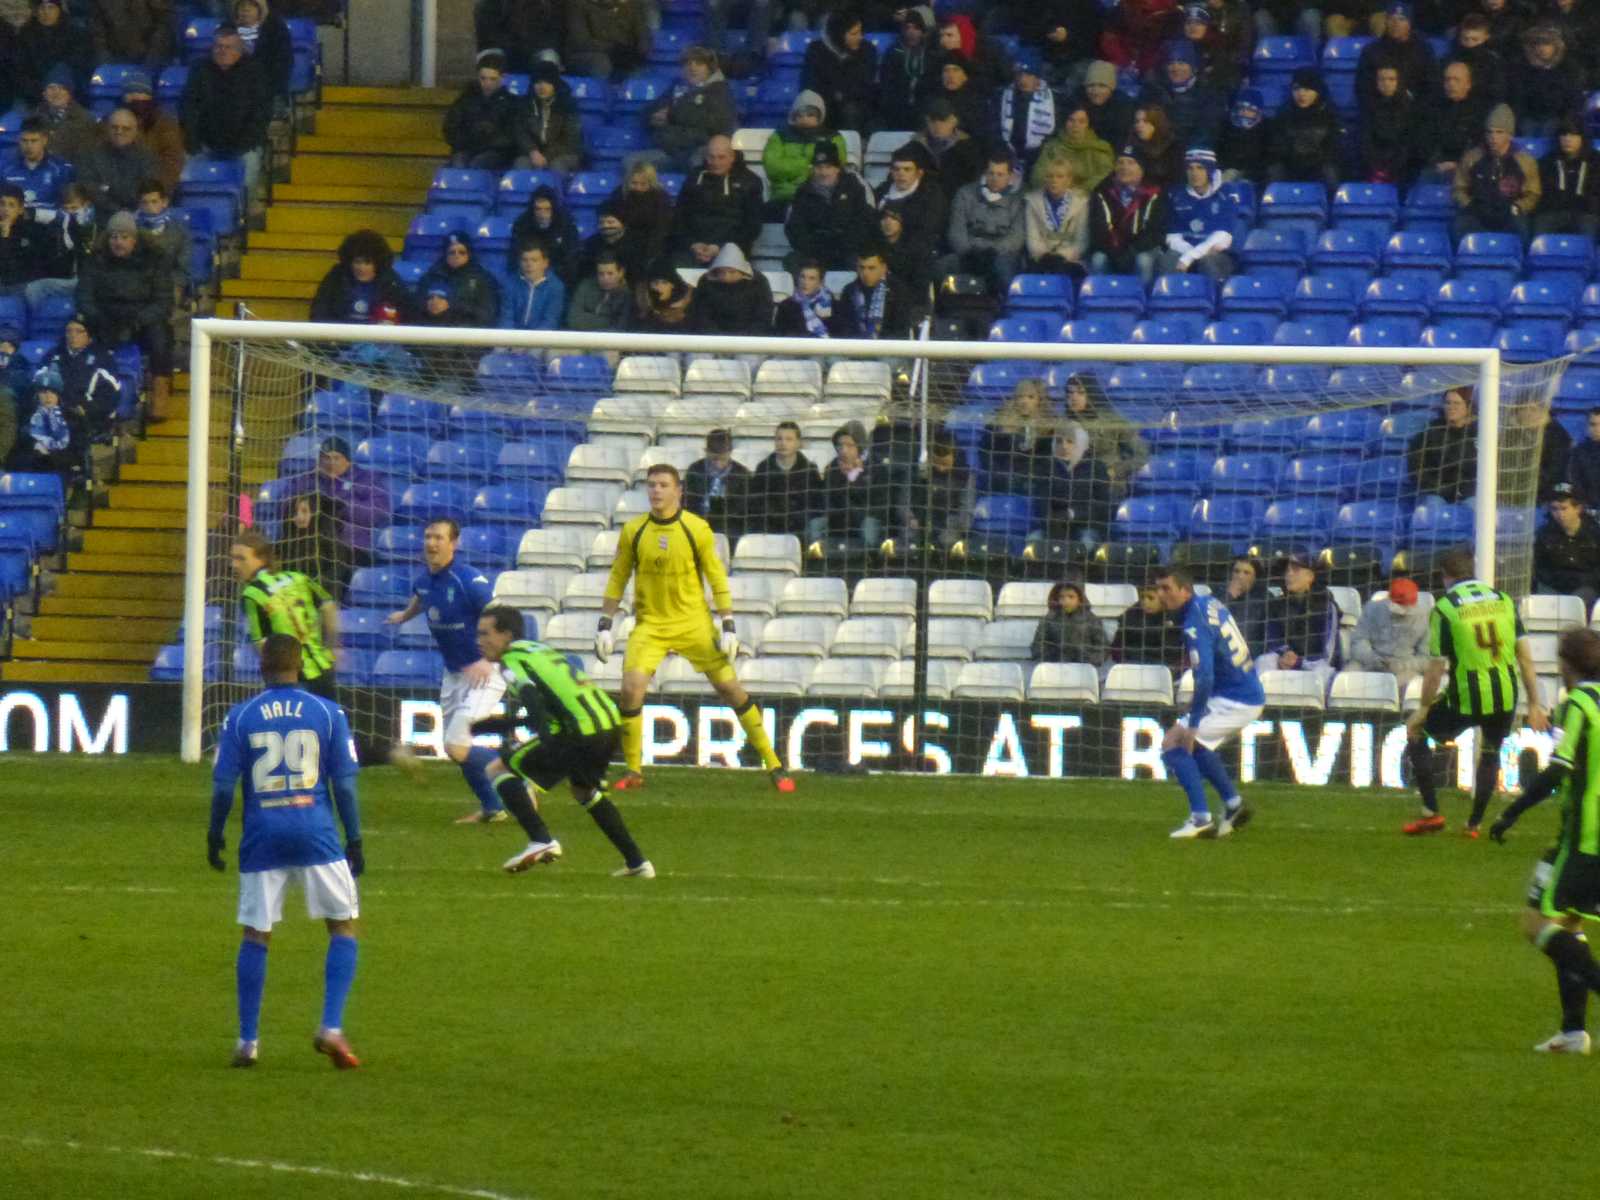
411	270
509	370
1245	331
1436	525
1298	203
532	462
517	83
668	46
1108	330
609	145
672	182
508	504
108	80
1562	254
1022	329
1589	303
1478	296
1275	249
1365	380
490	546
1172	330
1324	330
1583	340
1528	343
1375	521
1428	206
1349	252
14	314
1301	519
339	414
216	185
171	84
1267	295
1319	475
492	239
589	189
1383	478
380	587
1549	300
48	319
408	414
1189	293
246	665
1047	293
1397	429
1099	295
1495	254
396	544
1394	296
461	190
1144	381
1340	55
1281	57
16	572
1591	114
995	380
1279	434
415	669
1150	519
366	628
1418	253
1251	473
424	502
1243	193
592	96
1225	518
516	188
1324	295
17	532
396	454
299	454
639	92
1458	333
1388	331
1176	473
1373	207
578	374
168	664
38	498
198	34
471	460
1578	393
1218	380
1003	515
774	98
426	234
1349	431
790	51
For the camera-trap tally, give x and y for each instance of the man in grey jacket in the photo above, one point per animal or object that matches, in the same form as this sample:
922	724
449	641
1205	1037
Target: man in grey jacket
987	225
1392	634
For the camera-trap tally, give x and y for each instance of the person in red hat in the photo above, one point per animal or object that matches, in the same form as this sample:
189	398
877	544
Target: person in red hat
1392	634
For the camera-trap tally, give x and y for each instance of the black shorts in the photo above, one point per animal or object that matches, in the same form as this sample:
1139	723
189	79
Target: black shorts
1444	723
1565	882
584	760
323	685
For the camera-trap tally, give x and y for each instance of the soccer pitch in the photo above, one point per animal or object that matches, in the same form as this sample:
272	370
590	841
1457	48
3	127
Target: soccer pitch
877	987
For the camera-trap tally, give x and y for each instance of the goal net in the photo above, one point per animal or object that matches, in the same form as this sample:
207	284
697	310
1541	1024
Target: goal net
896	585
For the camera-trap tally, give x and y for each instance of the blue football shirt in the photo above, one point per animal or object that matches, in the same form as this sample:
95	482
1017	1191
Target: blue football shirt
453	599
288	746
1219	656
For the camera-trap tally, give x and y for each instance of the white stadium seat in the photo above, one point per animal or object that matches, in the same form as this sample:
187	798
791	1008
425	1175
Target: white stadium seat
768	552
1366	690
542	588
1550	614
634	443
752	142
814	597
676	456
574	632
1293	689
1109	600
594	462
808	636
607	674
586	593
657	374
885	598
588	505
603	550
756	594
1349	602
847	678
1133	683
953	637
710	375
565	547
1071	683
776	676
960	598
693	415
871	637
632	503
1543	646
989	681
1010	640
1413	695
757	418
677	677
1023	598
899	680
632	414
790	377
858	377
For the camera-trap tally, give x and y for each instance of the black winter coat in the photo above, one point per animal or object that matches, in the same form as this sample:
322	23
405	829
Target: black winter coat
473	294
742	309
1304	140
118	295
1565	564
44	47
226	112
832	228
479	124
900	313
336	295
925	213
718	209
1570	185
903	85
1454	127
1413	58
1391	139
846	82
783	501
1443	461
1544	93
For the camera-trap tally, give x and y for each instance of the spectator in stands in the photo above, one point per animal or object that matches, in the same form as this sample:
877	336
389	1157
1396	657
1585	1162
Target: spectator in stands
987	64
549	132
787	156
160	226
1018	441
955	156
646	212
357	497
784	490
1303	139
1128	220
1110	112
1146	635
909	262
876	304
1114	442
1455	120
1566	551
1212	67
601	301
720	204
1088	156
227	106
1506	22
1569	178
90	390
525	31
10	338
125	294
699	107
969	99
1242	149
1579	24
842	67
1302	625
1056	223
1545	85
758	15
1496	186
717	488
853	497
1392	634
1583	464
1195	109
40	174
663	302
733	299
12	78
1075	489
267	40
68	237
51	444
1069	632
1402	48
51	46
547	221
986	233
310	543
612	237
606	38
1152	135
362	280
903	79
536	298
483	124
114	169
1555	444
158	129
1443	458
943	495
72	129
921	201
1246	600
1204	220
808	311
1391	135
830	219
1064	34
1028	113
1134	31
1483	60
459	291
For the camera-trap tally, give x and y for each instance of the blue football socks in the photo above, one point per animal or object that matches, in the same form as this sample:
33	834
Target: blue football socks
1182	765
250	973
476	771
1210	764
338	973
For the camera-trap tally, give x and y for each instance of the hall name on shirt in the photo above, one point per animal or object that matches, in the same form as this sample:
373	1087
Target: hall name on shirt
279	709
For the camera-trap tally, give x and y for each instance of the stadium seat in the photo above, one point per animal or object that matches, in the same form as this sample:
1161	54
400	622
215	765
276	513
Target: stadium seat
1237	331
1280	434
1373	207
846	678
1022	329
491	546
812	596
458	191
803	637
1256	474
1187	293
1102	294
1324	295
589	189
1395	296
16	571
886	597
1385	331
1428	206
1169	330
1008	639
1325	330
408	414
1149	519
960	598
542	461
778	552
899	679
1280	57
1352	253
48	319
1364	691
1046	293
1382	478
1146	382
1064	683
1222	381
1297	205
1001	681
1129	683
1320	475
871	637
1171	474
1350	431
1224	518
395	454
1495	254
533	588
515	188
1304	519
1565	255
1524	343
424	502
416	669
1107	330
638	92
1266	295
1551	614
426	234
566	547
1458	333
508	504
387	588
771	675
1437	525
1548	301
1003	515
1293	689
1477	297
1022	599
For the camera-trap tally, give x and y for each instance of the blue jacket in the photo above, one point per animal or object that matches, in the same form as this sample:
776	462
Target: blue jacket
525	305
48	429
40	185
1204	223
88	381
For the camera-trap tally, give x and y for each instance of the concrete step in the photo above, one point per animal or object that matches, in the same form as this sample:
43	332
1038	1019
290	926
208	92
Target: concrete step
322	245
102	651
175	452
81	586
339	219
95	629
165	498
133	519
125	564
334	193
74	672
386	98
95	606
154	473
275	265
279	310
409	124
355	169
432	150
269	289
101	540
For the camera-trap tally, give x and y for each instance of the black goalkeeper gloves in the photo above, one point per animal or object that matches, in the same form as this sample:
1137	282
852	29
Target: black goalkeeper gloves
357	859
215	844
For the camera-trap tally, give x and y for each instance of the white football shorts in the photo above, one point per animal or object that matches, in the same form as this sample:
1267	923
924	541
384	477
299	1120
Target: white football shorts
463	704
329	887
1221	720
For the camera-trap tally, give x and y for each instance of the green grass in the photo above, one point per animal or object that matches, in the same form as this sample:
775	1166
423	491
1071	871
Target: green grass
878	987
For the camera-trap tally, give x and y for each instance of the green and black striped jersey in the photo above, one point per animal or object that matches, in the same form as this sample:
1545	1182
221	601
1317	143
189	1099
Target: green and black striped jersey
1578	749
560	700
289	602
1475	628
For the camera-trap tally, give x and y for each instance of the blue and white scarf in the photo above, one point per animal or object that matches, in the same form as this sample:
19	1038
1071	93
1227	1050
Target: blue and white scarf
1055	211
153	222
869	309
817	310
1041	117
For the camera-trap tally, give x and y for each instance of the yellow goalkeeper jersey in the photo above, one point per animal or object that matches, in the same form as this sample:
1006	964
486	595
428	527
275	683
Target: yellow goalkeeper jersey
671	561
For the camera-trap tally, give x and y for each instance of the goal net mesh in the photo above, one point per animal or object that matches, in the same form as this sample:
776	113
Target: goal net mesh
894	586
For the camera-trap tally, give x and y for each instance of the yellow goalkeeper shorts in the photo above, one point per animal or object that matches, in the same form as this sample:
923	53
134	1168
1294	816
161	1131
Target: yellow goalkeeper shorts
697	642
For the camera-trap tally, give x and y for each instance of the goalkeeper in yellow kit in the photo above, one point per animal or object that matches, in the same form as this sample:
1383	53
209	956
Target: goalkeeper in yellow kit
672	555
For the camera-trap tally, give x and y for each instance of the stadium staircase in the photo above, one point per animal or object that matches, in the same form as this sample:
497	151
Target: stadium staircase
116	596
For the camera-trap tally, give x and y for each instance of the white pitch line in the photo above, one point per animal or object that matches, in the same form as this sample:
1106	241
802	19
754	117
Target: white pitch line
261	1164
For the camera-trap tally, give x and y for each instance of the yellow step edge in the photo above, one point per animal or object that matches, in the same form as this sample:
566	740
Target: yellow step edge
103	540
102	608
323	245
119	587
101	651
339	219
73	672
387	97
125	564
97	629
342	168
432	149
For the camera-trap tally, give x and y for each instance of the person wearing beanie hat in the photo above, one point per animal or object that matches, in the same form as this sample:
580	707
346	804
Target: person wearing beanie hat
125	292
1392	634
49	431
1303	140
699	107
1195	108
1402	47
1128	220
1027	113
1566	551
1546	84
830	219
955	154
1569	179
1302	624
988	226
1204	220
483	124
549	133
161	131
1242	148
907	67
72	129
1110	112
788	154
1497	187
90	390
732	298
842	67
458	290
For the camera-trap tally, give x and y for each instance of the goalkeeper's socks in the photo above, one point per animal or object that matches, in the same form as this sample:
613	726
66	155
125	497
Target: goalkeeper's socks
1488	775
1570	952
611	824
632	739
250	974
520	805
1420	755
750	721
338	973
1187	772
1214	773
476	771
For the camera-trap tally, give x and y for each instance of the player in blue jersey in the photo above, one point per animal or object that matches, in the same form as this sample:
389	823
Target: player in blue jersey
293	750
453	595
1227	697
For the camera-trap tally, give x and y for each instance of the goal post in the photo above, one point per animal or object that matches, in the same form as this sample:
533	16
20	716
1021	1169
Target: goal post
256	387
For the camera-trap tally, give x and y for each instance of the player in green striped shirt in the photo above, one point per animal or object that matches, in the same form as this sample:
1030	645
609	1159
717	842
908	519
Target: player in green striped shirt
574	730
287	602
1479	650
1565	889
